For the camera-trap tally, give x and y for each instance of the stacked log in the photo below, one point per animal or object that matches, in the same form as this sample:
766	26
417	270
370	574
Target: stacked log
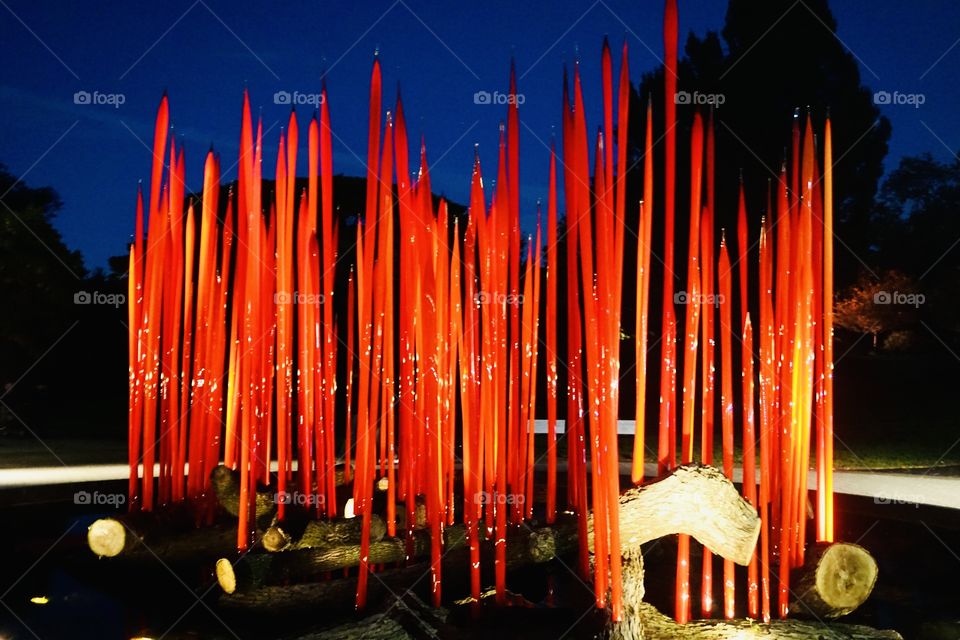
291	568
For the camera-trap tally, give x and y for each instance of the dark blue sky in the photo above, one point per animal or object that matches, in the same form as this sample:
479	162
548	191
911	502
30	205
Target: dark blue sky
205	52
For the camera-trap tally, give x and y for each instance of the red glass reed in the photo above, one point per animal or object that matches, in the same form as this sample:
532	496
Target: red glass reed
708	310
692	328
551	337
667	445
725	300
644	241
825	493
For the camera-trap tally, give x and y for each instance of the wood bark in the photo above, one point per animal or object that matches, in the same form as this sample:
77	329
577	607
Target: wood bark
652	625
115	537
169	531
255	570
321	534
173	530
331	595
226	486
674	504
696	500
656	625
649	623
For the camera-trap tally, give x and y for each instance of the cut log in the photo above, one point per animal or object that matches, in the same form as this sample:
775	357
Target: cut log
696	500
321	534
835	579
172	529
332	595
112	537
656	625
649	623
254	571
107	537
407	617
419	513
632	623
173	526
257	570
336	595
226	486
677	503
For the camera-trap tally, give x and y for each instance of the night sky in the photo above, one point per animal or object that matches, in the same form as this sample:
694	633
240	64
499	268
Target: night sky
204	53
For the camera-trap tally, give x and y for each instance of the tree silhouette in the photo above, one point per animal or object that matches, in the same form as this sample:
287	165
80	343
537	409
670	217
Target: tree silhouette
774	58
38	279
36	284
918	219
918	209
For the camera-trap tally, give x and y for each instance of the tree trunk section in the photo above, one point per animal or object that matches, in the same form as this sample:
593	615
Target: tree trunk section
696	500
321	534
112	537
171	530
226	486
331	595
660	627
835	579
255	570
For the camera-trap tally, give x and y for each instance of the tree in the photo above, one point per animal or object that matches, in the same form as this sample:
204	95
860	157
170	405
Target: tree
918	220
879	305
38	273
39	276
776	57
919	210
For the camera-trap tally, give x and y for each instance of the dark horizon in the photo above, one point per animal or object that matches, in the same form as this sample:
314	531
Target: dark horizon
204	55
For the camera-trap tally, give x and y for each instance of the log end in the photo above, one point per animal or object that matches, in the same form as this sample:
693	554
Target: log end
542	546
226	576
222	475
275	539
225	483
107	537
844	575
